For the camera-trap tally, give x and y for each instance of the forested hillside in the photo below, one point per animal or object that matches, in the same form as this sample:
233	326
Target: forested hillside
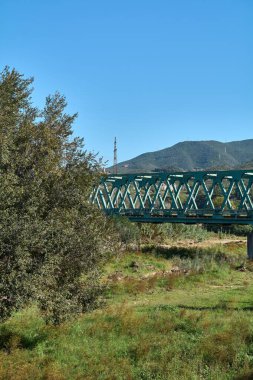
192	155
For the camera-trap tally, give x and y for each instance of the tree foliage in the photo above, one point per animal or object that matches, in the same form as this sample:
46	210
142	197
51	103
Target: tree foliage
52	240
127	232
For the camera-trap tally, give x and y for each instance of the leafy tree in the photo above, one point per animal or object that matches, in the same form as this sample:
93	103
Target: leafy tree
52	240
127	232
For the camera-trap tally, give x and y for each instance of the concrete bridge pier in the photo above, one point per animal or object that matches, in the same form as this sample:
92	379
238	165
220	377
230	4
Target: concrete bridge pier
250	246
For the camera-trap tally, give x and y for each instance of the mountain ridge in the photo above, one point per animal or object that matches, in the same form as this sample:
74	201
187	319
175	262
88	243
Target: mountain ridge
191	156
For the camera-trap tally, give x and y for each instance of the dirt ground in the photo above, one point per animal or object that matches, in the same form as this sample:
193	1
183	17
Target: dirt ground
206	243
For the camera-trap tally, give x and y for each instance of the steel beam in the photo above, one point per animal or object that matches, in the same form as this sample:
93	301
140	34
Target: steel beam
184	197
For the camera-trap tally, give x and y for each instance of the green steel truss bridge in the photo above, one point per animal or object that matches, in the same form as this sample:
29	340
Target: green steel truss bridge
224	197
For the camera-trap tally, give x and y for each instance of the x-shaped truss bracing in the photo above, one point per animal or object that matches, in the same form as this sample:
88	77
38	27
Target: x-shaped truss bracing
187	197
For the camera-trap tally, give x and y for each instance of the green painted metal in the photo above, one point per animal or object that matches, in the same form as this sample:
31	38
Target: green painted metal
185	197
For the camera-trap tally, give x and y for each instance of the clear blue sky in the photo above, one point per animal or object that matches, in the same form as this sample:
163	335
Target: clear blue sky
152	73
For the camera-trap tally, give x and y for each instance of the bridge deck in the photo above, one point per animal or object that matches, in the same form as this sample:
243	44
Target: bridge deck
184	197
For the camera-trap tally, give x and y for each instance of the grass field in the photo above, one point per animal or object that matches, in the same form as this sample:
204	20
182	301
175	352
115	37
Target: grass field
169	313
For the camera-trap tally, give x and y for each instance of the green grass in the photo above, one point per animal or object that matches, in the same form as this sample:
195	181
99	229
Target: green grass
195	323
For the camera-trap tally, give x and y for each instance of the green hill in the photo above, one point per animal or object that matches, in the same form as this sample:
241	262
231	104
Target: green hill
192	155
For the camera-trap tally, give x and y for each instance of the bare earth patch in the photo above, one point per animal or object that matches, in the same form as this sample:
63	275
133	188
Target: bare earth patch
205	243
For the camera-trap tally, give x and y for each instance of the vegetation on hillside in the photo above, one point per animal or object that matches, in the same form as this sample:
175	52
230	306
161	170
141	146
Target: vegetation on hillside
247	165
192	155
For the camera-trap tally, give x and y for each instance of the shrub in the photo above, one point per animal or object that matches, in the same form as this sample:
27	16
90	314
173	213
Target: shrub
128	232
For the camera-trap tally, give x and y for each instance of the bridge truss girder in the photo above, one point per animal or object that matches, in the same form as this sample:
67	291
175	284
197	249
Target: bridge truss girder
183	197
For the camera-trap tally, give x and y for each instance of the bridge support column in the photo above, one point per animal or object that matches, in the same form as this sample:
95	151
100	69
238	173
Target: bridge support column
250	246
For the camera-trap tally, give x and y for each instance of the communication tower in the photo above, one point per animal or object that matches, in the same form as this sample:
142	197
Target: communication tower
115	159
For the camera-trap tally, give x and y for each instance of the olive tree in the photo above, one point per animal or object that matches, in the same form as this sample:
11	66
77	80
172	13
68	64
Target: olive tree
52	240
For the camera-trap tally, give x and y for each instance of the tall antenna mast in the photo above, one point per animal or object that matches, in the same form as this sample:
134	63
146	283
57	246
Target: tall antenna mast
115	159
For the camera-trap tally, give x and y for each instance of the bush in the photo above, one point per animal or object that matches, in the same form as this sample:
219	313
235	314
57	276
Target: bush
172	231
128	232
234	229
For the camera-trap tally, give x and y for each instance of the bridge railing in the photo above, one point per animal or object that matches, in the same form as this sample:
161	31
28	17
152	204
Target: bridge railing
189	197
